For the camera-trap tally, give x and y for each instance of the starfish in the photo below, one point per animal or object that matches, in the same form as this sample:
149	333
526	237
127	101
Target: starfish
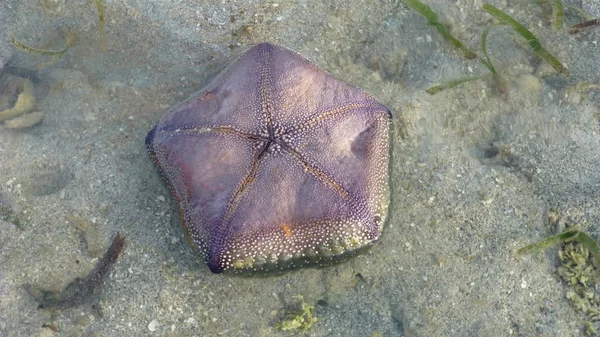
276	164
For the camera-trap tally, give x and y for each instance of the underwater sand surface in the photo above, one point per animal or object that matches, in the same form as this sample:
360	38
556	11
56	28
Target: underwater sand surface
477	170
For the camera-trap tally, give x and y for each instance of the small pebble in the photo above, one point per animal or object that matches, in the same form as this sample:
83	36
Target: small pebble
152	325
523	284
529	84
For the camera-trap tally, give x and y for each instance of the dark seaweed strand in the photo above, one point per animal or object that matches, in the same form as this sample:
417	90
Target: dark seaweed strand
99	273
585	25
83	290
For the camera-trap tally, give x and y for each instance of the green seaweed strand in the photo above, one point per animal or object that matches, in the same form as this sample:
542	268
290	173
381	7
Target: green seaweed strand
487	62
433	20
101	11
36	51
557	14
534	43
434	90
567	236
580	12
549	242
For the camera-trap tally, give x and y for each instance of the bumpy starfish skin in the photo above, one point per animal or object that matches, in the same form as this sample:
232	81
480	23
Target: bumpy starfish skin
276	164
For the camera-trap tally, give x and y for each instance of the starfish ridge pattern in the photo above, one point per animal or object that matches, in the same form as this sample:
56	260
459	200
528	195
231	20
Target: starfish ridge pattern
276	164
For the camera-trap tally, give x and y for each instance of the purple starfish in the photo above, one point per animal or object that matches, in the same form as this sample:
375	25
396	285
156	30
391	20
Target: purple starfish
276	164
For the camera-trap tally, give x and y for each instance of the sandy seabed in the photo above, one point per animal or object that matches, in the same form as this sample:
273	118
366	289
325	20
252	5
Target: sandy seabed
476	169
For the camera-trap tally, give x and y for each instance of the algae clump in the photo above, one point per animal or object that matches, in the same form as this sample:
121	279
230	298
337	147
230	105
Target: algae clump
300	320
